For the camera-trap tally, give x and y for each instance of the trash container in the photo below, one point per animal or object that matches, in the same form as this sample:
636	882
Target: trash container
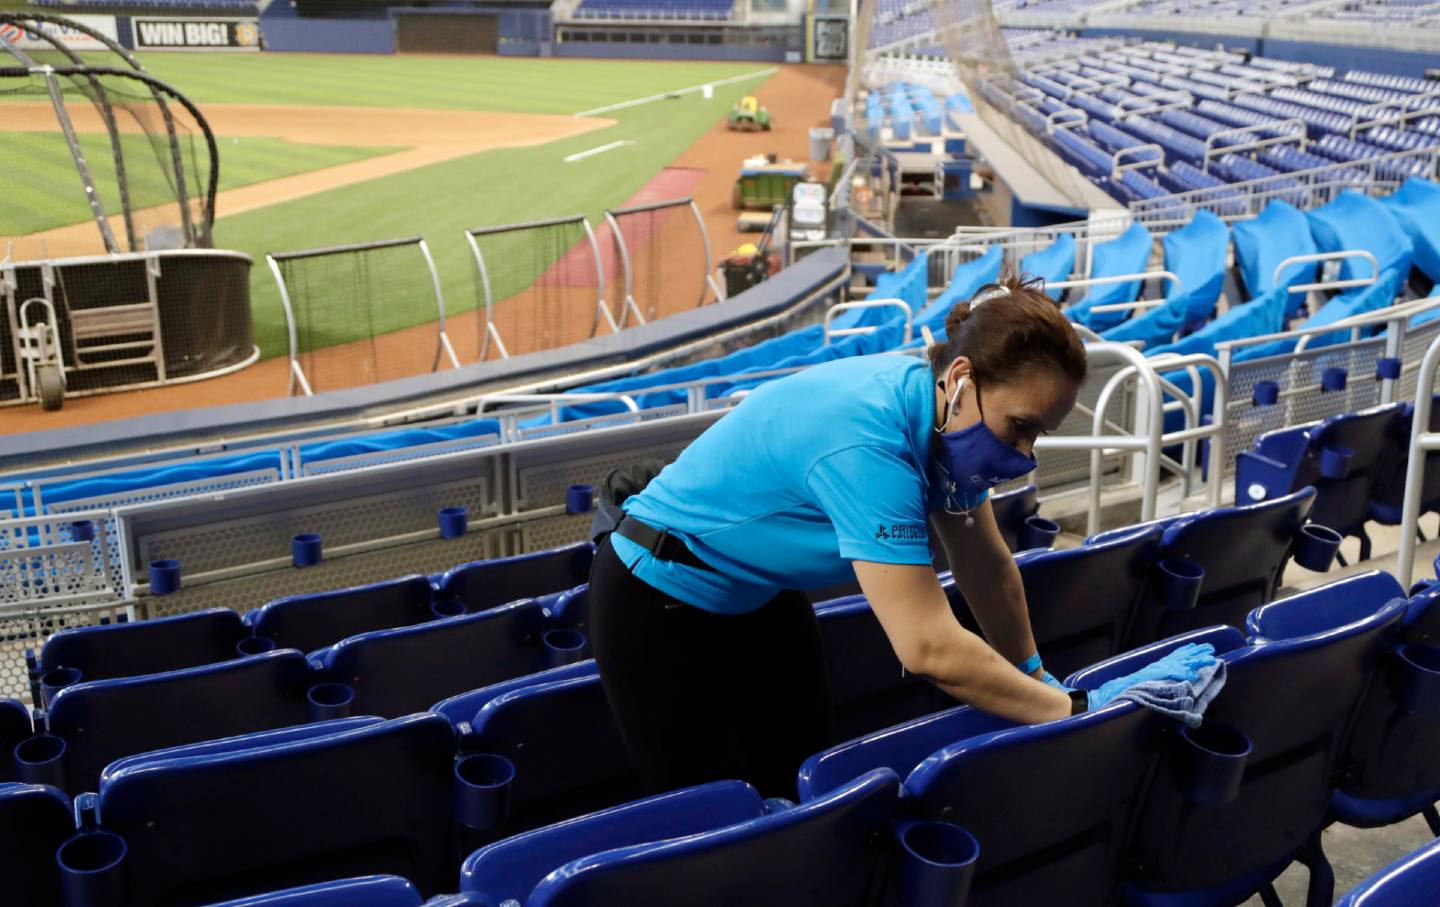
820	138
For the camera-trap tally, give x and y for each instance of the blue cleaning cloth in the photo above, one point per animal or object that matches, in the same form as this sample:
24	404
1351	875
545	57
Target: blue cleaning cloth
1183	700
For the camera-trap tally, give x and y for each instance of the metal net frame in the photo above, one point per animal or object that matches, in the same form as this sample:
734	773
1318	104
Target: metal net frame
650	272
540	275
168	187
354	313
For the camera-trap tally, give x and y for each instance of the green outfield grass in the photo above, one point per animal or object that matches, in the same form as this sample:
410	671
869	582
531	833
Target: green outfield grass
42	189
529	85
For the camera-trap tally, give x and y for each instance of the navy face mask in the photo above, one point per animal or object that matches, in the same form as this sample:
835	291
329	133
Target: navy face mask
972	460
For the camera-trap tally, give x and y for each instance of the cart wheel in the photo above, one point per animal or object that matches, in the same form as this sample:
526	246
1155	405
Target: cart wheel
50	387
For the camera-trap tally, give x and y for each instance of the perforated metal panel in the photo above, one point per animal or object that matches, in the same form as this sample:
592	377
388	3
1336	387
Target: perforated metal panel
1412	351
554	532
29	629
41	562
541	475
1302	399
231	543
255	589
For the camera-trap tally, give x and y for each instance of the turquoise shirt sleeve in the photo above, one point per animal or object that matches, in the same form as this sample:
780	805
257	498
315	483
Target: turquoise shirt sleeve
876	503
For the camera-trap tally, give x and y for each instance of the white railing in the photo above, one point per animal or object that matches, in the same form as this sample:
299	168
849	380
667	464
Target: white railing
1422	442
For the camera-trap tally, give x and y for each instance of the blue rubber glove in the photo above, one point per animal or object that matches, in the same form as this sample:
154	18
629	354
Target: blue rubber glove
1032	664
1050	681
1183	664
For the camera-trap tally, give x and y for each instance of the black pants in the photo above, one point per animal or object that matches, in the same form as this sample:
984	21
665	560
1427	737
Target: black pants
701	696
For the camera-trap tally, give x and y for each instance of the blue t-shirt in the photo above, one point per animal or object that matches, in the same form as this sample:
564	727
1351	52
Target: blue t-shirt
808	473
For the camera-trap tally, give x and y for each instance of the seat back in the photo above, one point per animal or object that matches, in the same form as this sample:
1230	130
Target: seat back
485	584
1262	243
310	622
1292	699
407	669
1081	600
509	870
831	852
14	727
1388	496
34	821
869	689
1389	767
364	891
1046	836
1412	879
369	799
1241	550
145	646
104	720
1342	503
567	751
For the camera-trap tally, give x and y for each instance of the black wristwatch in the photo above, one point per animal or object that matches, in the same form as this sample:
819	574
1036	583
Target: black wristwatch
1079	701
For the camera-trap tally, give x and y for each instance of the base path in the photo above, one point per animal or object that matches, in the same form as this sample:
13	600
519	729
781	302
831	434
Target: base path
421	137
797	96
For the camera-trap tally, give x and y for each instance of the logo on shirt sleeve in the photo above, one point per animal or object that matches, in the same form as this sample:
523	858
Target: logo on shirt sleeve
901	532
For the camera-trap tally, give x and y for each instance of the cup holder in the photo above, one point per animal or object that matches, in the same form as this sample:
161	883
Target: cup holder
1315	547
92	869
1180	582
40	759
1038	532
563	647
937	864
1419	687
326	701
1210	763
482	791
254	645
1335	462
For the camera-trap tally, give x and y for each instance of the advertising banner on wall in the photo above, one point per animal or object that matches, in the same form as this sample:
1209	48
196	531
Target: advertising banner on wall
35	37
159	33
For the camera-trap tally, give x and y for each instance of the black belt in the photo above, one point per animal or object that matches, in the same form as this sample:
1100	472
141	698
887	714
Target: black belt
660	543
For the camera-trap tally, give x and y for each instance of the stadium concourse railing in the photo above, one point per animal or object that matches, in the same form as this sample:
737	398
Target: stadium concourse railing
234	547
1423	441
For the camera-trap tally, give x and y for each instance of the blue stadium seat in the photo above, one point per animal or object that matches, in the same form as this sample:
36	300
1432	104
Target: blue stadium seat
1128	253
1338	457
485	584
406	669
34	821
237	817
1054	263
822	853
1387	496
364	891
1412	879
14	726
1239	799
1356	221
1389	770
566	749
145	646
1262	243
509	870
1416	207
319	619
1197	254
93	723
1239	551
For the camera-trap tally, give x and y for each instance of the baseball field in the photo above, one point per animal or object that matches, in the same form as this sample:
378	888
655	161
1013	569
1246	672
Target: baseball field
318	150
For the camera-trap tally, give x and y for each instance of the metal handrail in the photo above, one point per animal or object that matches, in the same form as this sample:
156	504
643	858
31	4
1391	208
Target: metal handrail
1422	441
1170	276
831	312
1329	256
1211	150
1117	168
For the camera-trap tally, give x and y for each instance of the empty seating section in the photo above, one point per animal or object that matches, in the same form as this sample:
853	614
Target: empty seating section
654	9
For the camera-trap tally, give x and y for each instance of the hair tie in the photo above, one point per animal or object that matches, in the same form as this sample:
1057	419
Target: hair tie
987	295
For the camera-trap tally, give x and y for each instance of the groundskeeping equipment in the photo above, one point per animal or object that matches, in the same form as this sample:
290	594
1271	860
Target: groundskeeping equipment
748	116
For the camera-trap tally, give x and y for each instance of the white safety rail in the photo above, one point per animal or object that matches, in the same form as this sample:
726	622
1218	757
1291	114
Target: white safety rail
1171	279
1377	342
1422	442
862	305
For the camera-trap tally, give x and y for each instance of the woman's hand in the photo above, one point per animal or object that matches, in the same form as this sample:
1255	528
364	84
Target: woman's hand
929	641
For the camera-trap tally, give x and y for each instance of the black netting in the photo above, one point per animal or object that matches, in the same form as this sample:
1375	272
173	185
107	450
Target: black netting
667	255
363	314
544	286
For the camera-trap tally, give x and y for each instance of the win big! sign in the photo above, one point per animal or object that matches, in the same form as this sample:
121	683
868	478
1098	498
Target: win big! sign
196	34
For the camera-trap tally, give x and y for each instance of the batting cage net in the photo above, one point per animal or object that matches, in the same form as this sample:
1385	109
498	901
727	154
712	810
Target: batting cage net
538	285
362	313
663	252
96	155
